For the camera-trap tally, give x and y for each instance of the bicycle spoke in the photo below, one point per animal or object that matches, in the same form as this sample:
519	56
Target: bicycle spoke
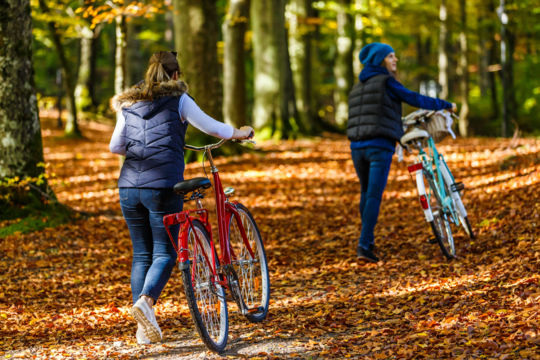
207	302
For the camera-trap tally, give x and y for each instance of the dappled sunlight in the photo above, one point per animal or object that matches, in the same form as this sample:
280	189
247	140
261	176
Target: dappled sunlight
66	290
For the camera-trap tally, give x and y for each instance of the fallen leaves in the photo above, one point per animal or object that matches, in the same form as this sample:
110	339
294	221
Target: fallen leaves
65	291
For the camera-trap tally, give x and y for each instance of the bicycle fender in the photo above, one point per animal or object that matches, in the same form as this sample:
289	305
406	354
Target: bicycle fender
422	192
183	265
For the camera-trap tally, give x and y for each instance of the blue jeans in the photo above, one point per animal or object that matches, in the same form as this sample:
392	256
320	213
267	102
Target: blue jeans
154	256
372	166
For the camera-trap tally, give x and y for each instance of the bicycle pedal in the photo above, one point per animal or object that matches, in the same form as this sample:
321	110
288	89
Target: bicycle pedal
432	240
457	187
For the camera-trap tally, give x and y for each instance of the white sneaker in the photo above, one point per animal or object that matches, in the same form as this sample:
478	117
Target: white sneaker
147	320
141	338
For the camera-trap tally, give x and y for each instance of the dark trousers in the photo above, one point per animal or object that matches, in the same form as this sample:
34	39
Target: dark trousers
372	166
153	252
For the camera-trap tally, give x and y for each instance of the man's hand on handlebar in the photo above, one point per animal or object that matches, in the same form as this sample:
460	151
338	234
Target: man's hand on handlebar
244	133
454	108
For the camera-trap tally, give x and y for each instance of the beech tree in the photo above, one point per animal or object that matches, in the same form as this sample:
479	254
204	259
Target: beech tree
234	68
20	131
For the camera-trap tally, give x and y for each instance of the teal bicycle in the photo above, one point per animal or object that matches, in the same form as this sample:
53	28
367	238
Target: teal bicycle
439	193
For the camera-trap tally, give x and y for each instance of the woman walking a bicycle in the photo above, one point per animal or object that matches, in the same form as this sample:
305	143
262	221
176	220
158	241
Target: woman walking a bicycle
374	128
151	135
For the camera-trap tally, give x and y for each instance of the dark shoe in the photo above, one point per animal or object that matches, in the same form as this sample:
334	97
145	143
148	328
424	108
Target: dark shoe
366	255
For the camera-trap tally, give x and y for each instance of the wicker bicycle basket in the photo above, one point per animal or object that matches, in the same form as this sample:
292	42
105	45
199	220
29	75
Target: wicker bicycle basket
436	127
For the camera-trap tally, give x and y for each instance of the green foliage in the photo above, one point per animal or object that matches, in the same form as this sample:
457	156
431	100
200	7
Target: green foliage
23	209
33	215
410	26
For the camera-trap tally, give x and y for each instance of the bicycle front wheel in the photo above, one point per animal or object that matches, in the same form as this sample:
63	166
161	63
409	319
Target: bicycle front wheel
206	300
440	224
252	272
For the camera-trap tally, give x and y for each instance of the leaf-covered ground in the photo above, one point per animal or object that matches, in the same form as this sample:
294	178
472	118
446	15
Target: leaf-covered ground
65	292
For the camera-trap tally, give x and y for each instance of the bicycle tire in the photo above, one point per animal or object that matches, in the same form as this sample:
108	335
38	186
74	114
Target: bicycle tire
251	278
203	302
440	225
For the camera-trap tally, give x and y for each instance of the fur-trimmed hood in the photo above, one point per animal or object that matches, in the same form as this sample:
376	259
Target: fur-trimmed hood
173	88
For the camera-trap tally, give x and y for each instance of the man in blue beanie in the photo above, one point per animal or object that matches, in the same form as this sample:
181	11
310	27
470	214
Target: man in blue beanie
374	127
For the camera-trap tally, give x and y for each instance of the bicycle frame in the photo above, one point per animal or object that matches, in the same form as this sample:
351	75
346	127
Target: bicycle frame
225	210
441	174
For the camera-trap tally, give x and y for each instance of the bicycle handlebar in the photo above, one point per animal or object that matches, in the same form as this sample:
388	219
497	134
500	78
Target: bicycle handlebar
216	145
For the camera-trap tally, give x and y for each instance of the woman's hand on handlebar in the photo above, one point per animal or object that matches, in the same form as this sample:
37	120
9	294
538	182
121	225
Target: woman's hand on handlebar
454	108
245	132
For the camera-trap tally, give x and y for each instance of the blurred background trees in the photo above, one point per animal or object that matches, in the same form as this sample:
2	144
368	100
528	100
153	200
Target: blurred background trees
286	66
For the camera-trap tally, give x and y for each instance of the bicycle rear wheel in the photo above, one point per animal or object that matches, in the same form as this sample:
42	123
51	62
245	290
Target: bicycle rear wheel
206	301
252	273
440	224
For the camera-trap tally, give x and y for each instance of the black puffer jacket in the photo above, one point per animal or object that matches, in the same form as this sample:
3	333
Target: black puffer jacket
372	112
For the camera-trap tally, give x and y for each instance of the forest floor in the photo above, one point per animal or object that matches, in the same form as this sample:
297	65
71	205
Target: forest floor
65	291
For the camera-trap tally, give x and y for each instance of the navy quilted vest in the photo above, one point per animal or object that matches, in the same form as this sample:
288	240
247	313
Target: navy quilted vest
372	112
155	138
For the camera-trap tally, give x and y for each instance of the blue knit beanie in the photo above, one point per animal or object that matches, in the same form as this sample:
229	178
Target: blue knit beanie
375	53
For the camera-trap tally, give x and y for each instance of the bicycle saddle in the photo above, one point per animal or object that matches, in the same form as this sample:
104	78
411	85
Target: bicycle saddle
186	186
414	134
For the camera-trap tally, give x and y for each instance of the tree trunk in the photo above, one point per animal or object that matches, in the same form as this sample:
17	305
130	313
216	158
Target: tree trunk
358	28
492	59
135	65
267	16
289	110
463	71
196	35
59	96
92	80
483	54
512	102
82	92
234	68
443	58
120	72
300	58
343	67
20	131
72	129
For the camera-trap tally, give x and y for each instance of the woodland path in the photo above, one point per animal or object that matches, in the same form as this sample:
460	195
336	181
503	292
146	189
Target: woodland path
65	291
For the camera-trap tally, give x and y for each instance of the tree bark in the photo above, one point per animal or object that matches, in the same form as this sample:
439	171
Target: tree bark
92	80
20	131
300	58
267	23
196	35
82	92
463	71
234	70
443	58
72	129
492	59
120	72
361	5
512	102
289	110
343	67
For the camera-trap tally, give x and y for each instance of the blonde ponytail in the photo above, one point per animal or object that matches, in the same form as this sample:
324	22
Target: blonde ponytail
161	68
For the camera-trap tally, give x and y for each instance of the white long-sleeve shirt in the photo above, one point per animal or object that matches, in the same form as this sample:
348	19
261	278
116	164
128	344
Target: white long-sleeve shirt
189	111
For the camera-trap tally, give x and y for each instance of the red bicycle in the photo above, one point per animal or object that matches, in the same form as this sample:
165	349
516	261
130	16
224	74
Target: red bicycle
240	274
